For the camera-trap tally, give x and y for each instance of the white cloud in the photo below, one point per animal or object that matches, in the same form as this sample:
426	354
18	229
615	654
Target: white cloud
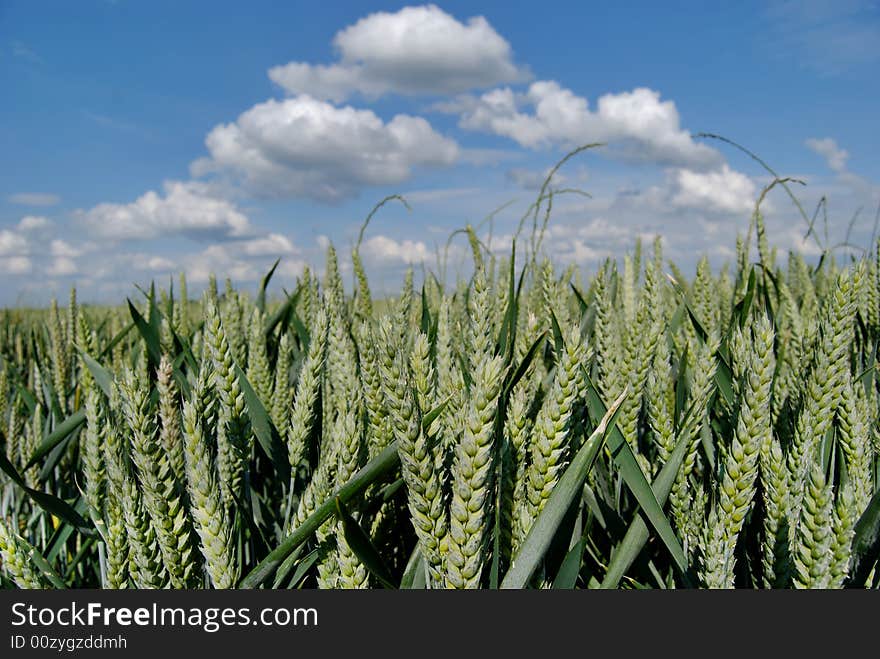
15	265
274	244
62	267
862	190
62	249
330	83
154	263
578	251
15	253
33	223
826	147
680	198
637	124
723	190
417	50
308	148
383	249
34	199
12	244
19	253
187	209
160	263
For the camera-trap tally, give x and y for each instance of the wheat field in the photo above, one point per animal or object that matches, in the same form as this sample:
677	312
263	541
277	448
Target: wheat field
522	427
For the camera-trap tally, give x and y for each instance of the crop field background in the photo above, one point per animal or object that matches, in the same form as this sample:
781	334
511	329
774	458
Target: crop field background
634	427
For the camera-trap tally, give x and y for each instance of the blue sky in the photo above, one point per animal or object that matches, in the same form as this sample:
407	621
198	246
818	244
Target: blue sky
144	138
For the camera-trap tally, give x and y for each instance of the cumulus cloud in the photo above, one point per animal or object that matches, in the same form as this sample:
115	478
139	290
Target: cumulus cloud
15	253
417	50
185	209
723	190
63	249
34	199
153	263
827	147
682	196
273	244
303	147
12	243
636	124
15	265
62	267
34	223
383	249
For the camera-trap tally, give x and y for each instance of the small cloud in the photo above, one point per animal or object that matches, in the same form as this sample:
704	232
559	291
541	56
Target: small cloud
62	267
34	223
837	159
723	190
15	265
154	263
34	199
13	244
721	194
383	249
273	244
62	249
828	149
